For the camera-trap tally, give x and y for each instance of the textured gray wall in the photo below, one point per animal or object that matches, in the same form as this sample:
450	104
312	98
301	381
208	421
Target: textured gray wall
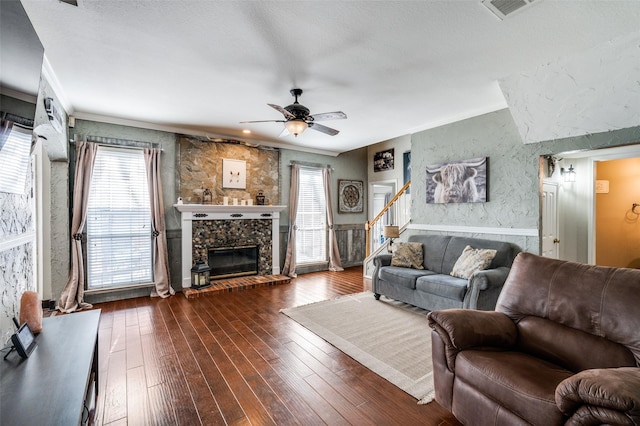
60	222
351	165
513	173
514	182
17	106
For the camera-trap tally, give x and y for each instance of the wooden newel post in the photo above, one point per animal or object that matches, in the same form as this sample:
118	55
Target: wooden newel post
367	227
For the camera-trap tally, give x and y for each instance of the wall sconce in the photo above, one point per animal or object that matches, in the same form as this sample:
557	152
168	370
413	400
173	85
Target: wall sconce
391	232
568	175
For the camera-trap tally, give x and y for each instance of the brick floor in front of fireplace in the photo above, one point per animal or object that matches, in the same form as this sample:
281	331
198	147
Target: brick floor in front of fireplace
237	284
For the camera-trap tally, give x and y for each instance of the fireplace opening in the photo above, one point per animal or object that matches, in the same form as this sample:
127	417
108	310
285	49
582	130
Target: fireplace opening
226	262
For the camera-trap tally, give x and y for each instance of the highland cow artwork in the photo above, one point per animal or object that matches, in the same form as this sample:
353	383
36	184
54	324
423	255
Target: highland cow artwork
457	182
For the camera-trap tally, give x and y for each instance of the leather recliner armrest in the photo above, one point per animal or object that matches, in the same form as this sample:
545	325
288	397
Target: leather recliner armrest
601	396
462	329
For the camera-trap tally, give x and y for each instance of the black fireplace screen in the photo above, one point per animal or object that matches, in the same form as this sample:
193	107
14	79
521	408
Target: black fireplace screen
233	261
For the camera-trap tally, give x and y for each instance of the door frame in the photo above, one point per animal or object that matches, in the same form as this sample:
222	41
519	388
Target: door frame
556	213
592	157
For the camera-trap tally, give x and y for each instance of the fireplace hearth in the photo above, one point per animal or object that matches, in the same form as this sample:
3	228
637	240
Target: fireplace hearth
227	262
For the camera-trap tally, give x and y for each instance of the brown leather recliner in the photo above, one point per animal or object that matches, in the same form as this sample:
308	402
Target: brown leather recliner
562	347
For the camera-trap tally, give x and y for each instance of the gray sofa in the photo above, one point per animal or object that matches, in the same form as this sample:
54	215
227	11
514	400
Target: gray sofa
433	288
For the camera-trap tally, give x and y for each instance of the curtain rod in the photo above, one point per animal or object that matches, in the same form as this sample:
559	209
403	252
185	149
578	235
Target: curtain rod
25	123
304	163
120	143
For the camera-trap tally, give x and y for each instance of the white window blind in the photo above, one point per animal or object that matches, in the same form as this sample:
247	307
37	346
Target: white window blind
14	161
118	220
311	219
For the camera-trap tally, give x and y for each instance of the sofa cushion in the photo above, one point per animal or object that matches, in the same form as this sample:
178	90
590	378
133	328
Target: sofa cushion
506	252
472	260
443	285
523	384
403	277
433	248
569	348
599	300
407	255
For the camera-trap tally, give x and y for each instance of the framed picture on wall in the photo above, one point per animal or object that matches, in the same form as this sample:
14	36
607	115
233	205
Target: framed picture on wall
234	173
383	160
406	169
457	182
350	196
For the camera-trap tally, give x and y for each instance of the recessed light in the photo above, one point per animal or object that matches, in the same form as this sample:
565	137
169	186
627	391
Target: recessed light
246	131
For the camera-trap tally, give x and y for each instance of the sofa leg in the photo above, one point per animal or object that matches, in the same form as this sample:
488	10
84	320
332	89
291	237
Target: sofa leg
377	296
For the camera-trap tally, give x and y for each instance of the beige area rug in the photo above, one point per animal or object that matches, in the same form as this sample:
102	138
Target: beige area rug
388	337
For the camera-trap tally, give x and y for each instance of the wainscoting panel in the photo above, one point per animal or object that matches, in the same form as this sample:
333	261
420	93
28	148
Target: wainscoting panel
351	243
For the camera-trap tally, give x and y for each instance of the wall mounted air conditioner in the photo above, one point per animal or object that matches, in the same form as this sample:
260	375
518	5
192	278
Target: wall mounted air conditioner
504	8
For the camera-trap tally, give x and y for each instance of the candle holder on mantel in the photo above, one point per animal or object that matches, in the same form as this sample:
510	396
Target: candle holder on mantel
260	198
200	275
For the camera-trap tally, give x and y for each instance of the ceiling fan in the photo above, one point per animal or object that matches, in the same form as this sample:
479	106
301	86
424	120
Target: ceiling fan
298	118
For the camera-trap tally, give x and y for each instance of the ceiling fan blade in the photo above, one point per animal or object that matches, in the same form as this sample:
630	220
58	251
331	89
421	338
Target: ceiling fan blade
335	115
264	121
283	111
324	129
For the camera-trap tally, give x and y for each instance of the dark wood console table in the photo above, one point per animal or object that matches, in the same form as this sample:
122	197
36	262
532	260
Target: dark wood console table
57	384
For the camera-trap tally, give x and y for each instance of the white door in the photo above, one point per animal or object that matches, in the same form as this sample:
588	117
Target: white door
550	228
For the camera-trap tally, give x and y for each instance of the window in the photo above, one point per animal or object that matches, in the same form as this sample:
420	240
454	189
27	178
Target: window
311	219
15	158
118	221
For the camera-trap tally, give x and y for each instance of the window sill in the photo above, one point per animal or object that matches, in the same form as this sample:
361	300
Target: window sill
116	289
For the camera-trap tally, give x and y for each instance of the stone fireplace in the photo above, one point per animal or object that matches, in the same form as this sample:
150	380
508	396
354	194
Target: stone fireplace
228	231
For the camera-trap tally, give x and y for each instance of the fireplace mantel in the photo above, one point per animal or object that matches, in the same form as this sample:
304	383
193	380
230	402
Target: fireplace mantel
209	208
191	212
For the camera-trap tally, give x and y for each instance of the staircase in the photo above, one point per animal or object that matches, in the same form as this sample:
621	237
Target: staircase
375	243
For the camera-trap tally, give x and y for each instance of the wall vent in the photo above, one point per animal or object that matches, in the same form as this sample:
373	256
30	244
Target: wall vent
504	8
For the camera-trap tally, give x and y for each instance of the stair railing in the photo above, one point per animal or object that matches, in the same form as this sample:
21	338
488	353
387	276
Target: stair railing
370	223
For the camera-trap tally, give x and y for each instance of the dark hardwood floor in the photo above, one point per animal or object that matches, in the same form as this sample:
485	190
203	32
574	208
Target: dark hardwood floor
234	359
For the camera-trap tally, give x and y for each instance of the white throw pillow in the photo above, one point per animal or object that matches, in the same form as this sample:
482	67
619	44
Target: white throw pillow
472	260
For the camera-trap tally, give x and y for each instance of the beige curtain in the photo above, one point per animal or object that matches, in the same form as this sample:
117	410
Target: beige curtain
72	297
335	264
152	159
289	268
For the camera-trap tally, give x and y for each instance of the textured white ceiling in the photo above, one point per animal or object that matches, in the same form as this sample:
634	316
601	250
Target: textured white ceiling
394	67
594	92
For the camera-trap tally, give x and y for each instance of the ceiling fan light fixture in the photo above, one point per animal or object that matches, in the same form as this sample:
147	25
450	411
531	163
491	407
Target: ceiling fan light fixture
296	126
297	118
